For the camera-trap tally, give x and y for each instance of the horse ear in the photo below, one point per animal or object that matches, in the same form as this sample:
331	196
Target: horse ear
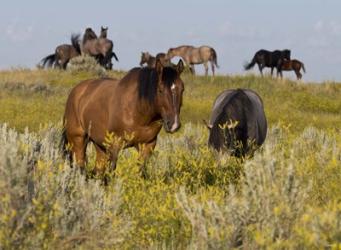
180	67
159	68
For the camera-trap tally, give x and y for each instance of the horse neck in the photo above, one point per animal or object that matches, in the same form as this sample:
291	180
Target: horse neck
146	111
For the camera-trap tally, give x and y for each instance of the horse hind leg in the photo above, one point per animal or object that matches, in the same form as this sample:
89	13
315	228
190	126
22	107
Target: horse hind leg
212	67
298	74
78	145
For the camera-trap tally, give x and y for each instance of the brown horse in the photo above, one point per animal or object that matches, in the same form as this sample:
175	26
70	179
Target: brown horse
294	65
89	34
193	55
131	109
63	54
151	60
100	48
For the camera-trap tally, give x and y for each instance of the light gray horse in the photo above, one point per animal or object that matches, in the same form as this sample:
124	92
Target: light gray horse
193	55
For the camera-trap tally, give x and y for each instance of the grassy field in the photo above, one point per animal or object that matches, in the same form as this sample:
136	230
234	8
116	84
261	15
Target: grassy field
287	196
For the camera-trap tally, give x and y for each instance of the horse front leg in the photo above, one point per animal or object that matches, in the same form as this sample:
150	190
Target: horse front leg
279	72
206	68
191	66
145	151
104	159
260	67
272	71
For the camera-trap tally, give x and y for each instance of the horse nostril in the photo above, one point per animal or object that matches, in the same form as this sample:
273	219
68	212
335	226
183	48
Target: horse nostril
168	124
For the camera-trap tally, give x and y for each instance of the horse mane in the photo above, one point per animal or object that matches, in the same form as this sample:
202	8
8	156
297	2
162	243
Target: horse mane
75	42
89	34
148	82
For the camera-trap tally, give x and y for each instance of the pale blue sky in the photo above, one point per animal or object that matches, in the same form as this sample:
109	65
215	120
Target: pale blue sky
31	30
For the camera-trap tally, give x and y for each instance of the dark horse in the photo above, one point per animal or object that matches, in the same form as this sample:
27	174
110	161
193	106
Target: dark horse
294	65
63	54
132	110
151	60
238	123
270	59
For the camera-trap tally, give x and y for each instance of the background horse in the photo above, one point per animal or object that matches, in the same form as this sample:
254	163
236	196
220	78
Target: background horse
265	58
294	65
104	32
192	55
151	60
237	122
100	48
132	109
63	54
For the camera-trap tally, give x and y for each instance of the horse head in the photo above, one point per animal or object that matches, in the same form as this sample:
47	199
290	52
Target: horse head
286	54
144	58
89	34
170	53
104	32
169	93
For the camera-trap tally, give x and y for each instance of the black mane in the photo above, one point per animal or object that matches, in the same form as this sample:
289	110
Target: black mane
148	81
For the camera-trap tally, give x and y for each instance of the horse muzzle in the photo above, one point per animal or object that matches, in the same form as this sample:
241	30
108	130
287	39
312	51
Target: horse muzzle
172	126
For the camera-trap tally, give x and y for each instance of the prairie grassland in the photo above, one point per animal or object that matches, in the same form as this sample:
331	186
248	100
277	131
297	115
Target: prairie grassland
287	196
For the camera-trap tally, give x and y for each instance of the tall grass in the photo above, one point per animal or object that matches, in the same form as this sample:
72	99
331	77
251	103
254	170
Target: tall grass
286	197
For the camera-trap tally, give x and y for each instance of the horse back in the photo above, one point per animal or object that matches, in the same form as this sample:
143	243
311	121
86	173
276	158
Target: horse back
87	103
243	106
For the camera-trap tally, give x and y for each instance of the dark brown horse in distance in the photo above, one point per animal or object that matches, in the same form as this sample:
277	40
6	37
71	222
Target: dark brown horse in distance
150	60
238	124
294	65
272	59
193	55
63	54
131	110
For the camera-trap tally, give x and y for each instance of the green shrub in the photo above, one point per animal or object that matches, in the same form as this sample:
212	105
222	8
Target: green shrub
86	63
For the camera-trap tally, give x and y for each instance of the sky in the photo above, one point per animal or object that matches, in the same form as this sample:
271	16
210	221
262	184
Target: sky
30	30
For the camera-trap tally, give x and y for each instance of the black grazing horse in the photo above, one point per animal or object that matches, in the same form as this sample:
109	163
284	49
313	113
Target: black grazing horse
265	58
238	123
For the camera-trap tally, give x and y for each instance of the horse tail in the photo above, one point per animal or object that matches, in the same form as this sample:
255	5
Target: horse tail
114	55
214	57
48	61
63	145
250	65
75	42
303	68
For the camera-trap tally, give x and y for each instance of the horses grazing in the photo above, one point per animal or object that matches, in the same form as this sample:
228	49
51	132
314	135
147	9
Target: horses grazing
265	58
192	55
63	54
294	65
237	122
151	60
132	109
